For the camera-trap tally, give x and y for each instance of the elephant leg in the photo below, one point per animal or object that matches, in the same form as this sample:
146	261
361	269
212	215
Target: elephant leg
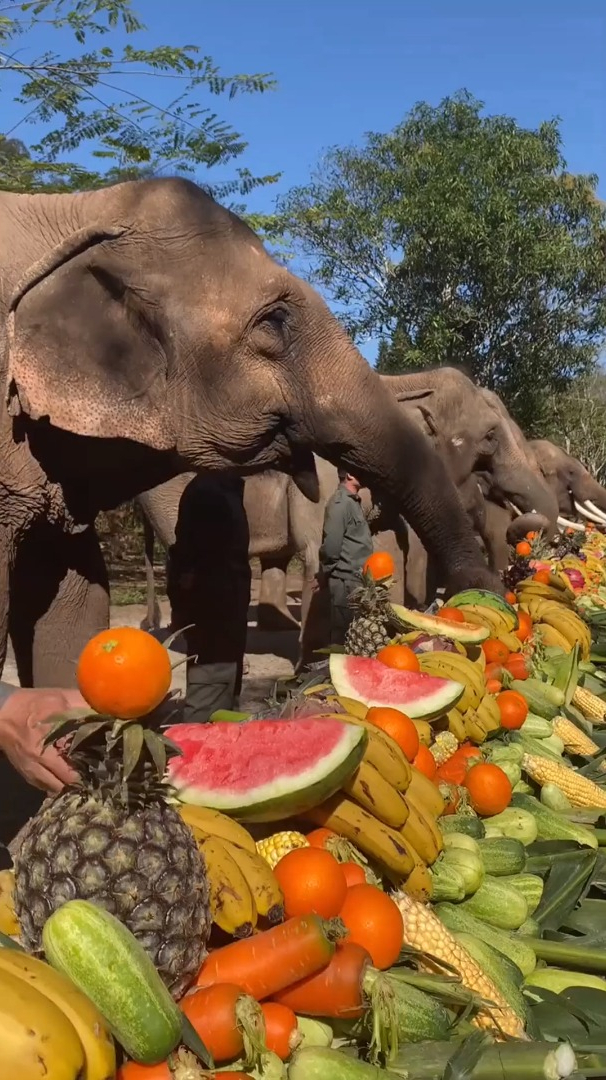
152	619
272	611
315	614
416	573
59	600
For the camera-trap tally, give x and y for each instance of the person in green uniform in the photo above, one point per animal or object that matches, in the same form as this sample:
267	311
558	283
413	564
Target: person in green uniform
346	544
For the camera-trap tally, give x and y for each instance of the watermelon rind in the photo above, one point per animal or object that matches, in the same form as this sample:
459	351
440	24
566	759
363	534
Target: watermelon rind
290	796
484	598
438	696
465	632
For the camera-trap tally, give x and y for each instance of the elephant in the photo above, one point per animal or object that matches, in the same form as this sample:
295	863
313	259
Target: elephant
147	332
577	492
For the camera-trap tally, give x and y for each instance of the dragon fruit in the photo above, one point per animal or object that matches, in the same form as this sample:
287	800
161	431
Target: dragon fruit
575	578
432	643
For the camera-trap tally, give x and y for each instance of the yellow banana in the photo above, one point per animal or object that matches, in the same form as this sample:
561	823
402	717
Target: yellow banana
231	901
97	1043
261	881
384	754
493	618
571	627
418	883
421	831
212	823
353	707
459	669
552	637
380	843
424	731
510	640
372	791
476	729
456	725
37	1041
544	592
8	920
425	793
488	713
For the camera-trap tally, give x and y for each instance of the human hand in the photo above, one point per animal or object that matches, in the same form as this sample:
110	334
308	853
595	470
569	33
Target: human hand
24	718
319	582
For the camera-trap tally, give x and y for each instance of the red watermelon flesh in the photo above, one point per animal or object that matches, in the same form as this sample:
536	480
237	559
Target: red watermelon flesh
264	770
373	683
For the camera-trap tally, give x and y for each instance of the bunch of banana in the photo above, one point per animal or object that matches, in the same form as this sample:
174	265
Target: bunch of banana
242	885
530	590
499	621
456	724
562	619
47	1026
382	754
481	722
447	665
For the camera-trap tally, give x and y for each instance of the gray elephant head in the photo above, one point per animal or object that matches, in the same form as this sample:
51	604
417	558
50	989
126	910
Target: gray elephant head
153	323
577	492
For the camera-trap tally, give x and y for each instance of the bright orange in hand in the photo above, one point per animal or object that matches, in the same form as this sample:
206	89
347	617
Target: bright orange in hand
400	657
312	882
124	672
379	565
488	788
398	726
374	922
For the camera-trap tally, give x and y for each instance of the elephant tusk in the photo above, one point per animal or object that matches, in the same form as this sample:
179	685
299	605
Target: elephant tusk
514	508
586	514
564	523
595	510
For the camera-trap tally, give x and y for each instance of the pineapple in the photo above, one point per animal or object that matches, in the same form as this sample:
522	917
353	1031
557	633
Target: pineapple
369	630
113	839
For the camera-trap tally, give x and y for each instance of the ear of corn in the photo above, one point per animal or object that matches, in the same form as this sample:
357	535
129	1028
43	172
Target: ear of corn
575	740
277	846
578	789
592	707
444	747
423	930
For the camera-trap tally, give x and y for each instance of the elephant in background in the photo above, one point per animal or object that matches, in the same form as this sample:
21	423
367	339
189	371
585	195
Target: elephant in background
145	331
577	492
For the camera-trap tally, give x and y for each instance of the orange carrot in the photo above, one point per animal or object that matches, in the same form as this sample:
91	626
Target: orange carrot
226	1020
268	962
336	991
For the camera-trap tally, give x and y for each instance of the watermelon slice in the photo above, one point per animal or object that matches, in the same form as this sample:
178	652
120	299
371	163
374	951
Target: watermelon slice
419	696
264	770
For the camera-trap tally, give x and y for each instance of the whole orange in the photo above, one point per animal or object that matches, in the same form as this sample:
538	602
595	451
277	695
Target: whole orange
318	837
400	657
398	726
517	666
542	576
511	597
379	565
513	708
450	614
495	651
124	672
374	922
523	548
488	788
524	626
312	882
425	762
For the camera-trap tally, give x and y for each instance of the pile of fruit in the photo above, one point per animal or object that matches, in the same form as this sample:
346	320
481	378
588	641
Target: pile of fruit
396	871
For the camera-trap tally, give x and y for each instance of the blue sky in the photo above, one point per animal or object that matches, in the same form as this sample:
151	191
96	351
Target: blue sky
345	67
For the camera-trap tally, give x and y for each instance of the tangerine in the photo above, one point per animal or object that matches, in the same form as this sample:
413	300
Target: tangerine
312	882
524	625
124	672
516	666
511	597
400	657
318	837
398	726
488	788
495	651
354	874
451	614
531	535
379	565
523	548
374	921
513	708
542	576
281	1029
425	762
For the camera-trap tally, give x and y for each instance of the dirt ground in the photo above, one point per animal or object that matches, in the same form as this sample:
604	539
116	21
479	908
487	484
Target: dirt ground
270	656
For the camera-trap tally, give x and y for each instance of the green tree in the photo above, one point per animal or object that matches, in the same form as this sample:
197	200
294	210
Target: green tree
577	422
466	233
82	102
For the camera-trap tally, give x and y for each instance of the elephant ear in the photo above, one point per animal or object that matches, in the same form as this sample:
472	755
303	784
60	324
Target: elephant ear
419	401
84	352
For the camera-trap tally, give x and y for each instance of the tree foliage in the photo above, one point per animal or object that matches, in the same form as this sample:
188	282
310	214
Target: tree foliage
578	422
82	102
462	237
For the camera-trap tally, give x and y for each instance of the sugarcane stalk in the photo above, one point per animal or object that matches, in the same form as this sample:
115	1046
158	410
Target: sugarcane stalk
516	1061
568	954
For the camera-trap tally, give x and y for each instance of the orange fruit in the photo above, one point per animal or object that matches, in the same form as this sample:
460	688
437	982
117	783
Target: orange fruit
488	788
493	686
513	709
511	597
469	751
493	671
398	726
132	1071
450	614
374	922
516	666
124	672
318	837
525	626
523	548
495	651
354	874
379	565
312	881
281	1029
531	535
544	576
425	762
400	657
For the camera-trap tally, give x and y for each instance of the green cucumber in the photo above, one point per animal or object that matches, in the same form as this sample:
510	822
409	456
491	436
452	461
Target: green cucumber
529	929
537	727
502	855
530	886
551	825
109	965
539	697
446	882
514	822
497	904
463	823
459	921
499	968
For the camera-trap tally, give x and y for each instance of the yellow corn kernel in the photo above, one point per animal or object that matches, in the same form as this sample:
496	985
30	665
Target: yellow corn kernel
277	846
579	790
592	707
423	930
575	740
444	746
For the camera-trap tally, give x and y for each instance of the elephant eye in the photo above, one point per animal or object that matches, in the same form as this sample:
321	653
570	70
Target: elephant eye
274	325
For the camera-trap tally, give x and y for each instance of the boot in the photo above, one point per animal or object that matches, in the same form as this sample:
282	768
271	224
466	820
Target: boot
209	687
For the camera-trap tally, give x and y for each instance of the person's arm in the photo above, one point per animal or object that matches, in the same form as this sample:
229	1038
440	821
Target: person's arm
333	535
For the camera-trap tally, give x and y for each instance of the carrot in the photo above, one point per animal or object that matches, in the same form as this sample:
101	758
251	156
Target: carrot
336	991
274	959
229	1023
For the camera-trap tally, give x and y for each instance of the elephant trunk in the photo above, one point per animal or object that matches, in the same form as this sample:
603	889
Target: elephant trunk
526	523
528	494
